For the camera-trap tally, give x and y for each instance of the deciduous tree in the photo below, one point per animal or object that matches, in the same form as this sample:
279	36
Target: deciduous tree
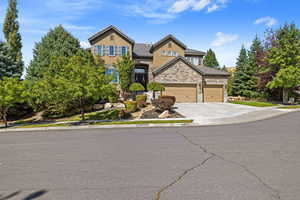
11	93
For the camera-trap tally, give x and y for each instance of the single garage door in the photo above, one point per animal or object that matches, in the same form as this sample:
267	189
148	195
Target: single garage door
213	93
182	92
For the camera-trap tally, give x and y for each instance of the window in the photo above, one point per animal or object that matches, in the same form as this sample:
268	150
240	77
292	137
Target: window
124	50
100	50
113	72
193	60
111	50
170	45
169	53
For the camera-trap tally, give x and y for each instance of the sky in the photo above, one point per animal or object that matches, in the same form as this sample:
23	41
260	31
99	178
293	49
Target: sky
222	25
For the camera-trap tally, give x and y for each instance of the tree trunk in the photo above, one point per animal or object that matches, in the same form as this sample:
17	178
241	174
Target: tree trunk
5	119
153	95
285	96
82	113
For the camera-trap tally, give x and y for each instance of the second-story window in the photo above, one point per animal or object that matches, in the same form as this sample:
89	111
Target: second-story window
100	50
124	50
112	51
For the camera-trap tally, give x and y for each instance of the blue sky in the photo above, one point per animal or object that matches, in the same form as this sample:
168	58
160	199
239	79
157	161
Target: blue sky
223	25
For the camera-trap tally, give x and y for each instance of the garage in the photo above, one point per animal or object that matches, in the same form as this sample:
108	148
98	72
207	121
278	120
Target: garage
213	93
182	92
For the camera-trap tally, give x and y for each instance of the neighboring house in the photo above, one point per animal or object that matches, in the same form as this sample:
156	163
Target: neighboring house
168	61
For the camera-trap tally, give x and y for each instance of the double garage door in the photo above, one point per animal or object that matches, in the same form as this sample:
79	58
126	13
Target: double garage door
187	93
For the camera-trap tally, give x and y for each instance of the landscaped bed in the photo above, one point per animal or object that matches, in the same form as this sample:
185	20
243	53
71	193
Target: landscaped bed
254	103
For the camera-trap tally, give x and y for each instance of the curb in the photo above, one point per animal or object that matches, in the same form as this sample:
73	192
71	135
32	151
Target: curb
163	125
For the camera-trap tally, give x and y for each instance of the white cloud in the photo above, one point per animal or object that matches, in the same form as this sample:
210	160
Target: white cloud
76	27
197	5
268	21
85	44
222	39
154	10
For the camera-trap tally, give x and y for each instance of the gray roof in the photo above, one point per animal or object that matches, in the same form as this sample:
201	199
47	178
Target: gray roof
165	39
203	70
194	52
143	50
91	39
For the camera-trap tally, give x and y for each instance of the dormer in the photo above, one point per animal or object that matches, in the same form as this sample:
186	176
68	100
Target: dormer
111	44
166	49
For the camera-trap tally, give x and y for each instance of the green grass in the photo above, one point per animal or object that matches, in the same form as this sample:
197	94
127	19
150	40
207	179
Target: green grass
254	103
290	107
42	125
110	123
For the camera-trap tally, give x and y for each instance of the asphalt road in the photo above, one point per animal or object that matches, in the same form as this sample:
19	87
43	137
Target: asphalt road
253	161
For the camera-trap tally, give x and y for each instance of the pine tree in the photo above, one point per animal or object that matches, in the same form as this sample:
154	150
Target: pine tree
244	81
210	59
57	42
8	66
12	35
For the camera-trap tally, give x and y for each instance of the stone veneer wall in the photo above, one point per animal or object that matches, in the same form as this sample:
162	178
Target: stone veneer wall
180	72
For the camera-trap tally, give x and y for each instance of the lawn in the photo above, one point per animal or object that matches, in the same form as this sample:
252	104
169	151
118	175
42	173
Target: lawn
290	107
111	123
254	103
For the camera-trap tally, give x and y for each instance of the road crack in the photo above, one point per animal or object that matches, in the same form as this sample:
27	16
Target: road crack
158	194
274	192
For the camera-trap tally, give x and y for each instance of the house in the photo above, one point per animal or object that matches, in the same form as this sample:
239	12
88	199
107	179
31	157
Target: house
168	61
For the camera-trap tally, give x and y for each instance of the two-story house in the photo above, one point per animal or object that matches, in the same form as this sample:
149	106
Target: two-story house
168	61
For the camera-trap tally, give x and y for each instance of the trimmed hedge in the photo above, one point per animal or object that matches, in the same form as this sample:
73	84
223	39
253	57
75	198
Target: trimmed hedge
172	98
131	106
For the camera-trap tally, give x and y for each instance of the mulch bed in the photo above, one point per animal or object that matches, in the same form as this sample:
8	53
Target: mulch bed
153	114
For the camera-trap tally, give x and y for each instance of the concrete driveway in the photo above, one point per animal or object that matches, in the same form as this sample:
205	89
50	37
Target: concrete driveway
211	112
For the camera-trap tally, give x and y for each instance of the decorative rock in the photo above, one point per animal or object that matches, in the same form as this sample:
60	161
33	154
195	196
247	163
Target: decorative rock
164	114
98	106
119	105
108	105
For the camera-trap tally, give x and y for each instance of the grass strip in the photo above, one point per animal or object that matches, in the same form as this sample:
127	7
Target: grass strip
110	123
290	107
254	103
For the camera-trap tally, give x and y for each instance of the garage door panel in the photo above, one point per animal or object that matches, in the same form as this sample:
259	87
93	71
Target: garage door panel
182	92
213	93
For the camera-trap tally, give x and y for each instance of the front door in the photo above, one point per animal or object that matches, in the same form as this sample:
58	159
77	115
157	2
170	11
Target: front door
141	75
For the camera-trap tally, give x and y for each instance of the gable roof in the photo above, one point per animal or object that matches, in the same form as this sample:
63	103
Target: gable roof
168	37
194	52
203	70
143	50
111	27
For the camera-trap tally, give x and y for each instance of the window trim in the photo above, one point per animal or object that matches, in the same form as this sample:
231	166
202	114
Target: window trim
111	47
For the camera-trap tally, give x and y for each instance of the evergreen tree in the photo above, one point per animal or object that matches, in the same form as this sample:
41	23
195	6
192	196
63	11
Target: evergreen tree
244	82
284	58
12	35
57	42
8	66
210	59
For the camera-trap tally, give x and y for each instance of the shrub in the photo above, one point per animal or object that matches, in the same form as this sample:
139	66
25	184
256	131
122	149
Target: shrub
131	106
154	86
163	103
136	87
172	98
126	95
113	99
106	115
141	100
